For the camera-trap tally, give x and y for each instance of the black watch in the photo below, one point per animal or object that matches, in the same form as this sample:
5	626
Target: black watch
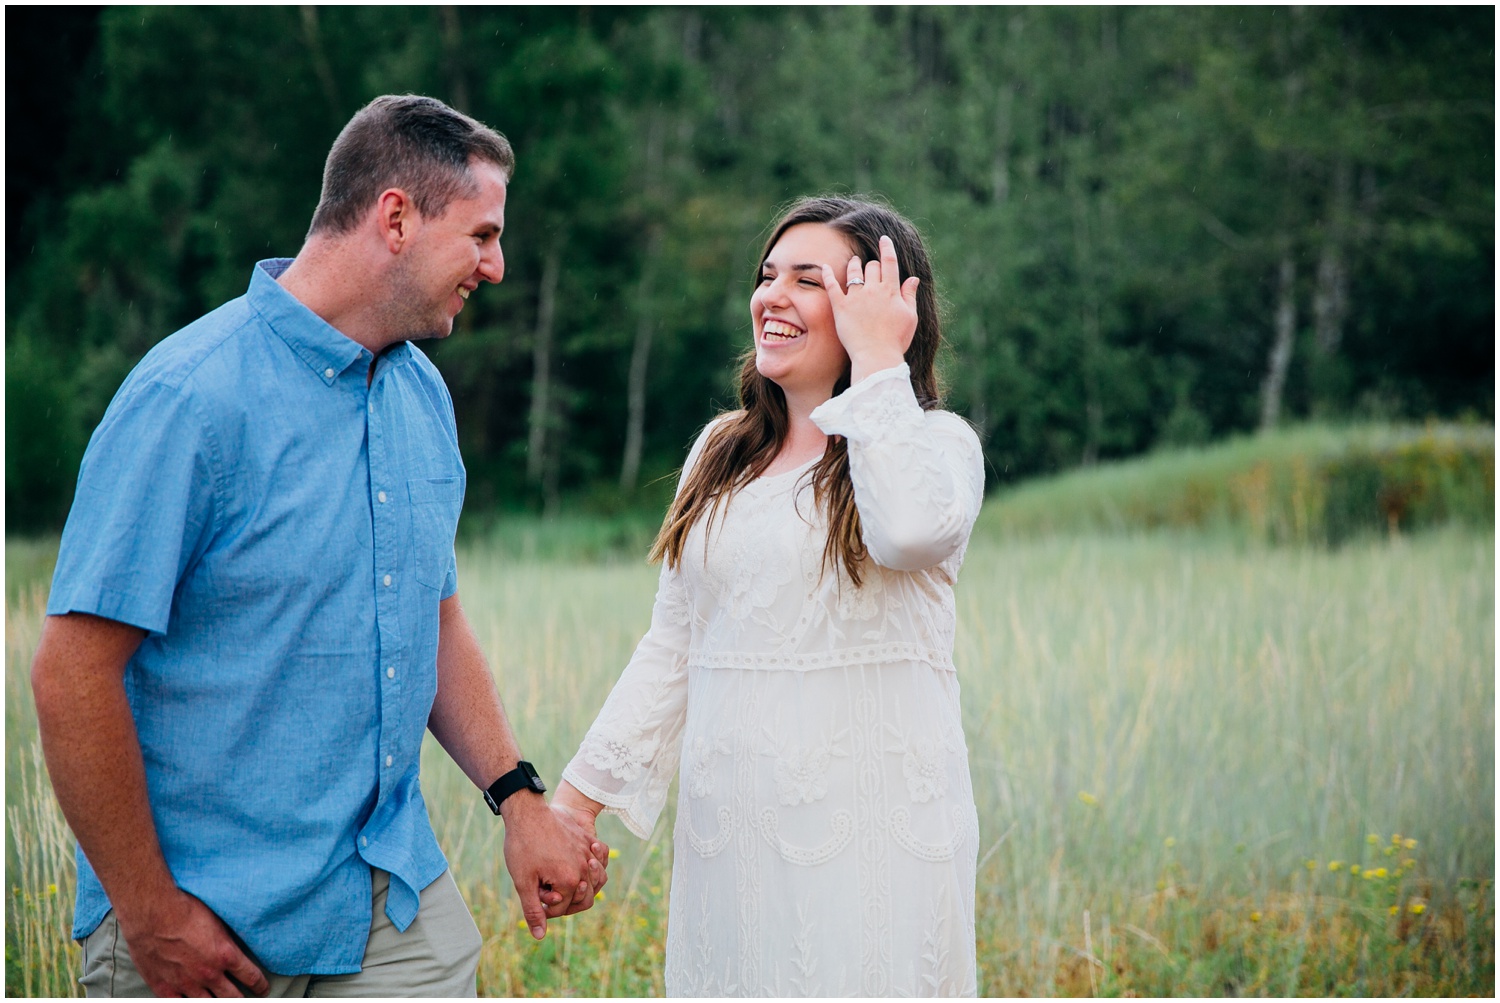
523	777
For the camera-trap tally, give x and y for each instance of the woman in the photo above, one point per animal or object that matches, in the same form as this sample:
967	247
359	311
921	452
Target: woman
799	661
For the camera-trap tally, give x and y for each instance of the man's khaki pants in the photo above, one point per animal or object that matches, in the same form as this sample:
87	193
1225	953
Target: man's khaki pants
436	956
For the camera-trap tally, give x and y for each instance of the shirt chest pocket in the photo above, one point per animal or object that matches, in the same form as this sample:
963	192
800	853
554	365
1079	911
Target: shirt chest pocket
435	506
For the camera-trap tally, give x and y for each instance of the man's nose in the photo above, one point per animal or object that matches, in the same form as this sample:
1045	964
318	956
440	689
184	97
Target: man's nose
492	265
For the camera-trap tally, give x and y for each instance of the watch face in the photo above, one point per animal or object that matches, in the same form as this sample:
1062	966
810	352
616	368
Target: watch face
532	777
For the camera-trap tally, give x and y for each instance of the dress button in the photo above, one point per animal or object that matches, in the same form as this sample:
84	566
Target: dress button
390	673
328	373
380	495
387	580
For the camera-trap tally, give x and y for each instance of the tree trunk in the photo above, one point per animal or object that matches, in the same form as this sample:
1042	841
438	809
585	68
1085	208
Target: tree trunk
453	58
1091	359
979	411
1331	296
640	354
1000	166
1281	344
541	359
324	72
645	317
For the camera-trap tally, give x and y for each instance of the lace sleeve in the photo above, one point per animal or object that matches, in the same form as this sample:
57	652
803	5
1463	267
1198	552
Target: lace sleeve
630	754
918	475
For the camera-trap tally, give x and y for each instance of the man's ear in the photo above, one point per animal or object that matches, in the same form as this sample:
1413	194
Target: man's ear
396	216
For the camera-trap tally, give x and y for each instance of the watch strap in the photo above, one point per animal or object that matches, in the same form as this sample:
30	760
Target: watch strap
523	777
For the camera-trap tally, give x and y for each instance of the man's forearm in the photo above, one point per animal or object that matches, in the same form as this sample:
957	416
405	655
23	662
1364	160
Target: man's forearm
467	717
94	755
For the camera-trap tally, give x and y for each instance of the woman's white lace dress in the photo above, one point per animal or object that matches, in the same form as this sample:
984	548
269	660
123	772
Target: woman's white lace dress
826	836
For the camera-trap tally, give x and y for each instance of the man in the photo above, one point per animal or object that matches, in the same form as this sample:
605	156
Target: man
255	615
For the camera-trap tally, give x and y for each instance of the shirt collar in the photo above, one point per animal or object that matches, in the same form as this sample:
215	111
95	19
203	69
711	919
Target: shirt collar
325	350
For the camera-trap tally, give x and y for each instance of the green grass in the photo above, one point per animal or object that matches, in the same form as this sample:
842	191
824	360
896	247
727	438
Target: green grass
1164	730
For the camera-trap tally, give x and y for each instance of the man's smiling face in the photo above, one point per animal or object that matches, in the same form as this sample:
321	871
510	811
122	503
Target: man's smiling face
448	256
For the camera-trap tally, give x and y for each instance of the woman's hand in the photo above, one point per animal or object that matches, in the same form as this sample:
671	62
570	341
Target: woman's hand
874	312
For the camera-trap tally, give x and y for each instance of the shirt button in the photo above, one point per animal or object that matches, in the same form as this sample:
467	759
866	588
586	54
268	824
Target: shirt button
390	673
328	374
364	841
389	760
387	580
381	496
370	407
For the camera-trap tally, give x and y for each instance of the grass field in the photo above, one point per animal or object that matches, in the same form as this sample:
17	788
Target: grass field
1202	767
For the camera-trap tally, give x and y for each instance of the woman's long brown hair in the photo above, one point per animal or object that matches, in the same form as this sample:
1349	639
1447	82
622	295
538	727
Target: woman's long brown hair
742	445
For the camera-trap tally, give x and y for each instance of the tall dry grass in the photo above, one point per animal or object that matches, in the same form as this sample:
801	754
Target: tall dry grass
1180	748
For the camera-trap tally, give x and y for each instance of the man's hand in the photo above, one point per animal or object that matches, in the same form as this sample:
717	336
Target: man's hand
88	736
557	865
182	949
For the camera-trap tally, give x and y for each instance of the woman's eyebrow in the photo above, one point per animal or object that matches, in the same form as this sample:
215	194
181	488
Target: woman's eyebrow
767	266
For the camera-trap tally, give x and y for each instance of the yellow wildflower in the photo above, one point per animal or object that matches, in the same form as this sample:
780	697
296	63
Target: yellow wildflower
1418	908
1372	839
1394	909
1389	851
1410	844
520	924
51	889
1380	872
1169	842
1087	798
640	921
1395	839
1408	863
1354	869
599	896
1255	917
613	853
1310	864
1335	866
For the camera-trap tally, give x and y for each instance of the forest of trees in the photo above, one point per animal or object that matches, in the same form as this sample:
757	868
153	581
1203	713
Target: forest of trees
1150	226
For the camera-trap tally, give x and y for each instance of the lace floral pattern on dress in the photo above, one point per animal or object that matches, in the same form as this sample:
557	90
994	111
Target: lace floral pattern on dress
864	602
698	769
625	759
802	773
924	765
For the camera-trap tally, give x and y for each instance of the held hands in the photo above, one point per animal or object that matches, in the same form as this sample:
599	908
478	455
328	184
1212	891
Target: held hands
874	313
556	862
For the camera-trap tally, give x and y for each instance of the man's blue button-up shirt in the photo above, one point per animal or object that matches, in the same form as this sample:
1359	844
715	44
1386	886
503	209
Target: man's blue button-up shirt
283	529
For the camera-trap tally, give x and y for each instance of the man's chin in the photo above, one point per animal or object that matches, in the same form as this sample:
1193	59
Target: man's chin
438	331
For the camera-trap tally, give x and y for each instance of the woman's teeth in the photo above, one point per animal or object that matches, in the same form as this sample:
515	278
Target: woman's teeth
776	330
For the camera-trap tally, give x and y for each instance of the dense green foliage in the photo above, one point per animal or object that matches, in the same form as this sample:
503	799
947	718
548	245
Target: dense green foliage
1311	484
1149	226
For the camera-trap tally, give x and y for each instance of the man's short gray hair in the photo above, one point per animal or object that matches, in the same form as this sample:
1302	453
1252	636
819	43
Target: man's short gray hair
417	144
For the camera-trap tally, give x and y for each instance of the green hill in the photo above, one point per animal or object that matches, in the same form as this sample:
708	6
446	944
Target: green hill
1309	484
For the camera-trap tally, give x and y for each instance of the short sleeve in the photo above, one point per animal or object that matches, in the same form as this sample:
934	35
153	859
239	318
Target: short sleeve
142	512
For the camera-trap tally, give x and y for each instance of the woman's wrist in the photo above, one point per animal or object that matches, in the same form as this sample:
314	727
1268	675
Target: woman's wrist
868	363
570	797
